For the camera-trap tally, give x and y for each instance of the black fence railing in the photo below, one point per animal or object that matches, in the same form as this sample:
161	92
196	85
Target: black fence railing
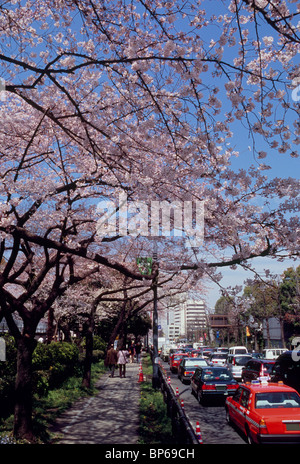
182	429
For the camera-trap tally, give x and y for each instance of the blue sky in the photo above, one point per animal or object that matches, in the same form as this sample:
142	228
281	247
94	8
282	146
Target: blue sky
231	278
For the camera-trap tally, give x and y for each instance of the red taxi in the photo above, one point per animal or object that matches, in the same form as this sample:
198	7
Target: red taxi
265	412
195	354
175	360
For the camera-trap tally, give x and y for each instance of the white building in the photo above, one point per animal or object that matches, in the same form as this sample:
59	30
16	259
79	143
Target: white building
196	320
185	318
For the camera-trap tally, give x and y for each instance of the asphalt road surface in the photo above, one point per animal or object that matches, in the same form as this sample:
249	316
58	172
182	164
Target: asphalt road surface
211	416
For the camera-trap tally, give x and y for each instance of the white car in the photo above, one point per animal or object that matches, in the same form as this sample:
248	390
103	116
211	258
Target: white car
273	353
235	364
237	350
217	359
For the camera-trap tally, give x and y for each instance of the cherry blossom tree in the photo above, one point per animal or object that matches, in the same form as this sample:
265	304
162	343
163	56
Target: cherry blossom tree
155	100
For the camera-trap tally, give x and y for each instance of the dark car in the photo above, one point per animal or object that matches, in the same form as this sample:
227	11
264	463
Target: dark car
188	366
213	382
256	368
257	355
287	369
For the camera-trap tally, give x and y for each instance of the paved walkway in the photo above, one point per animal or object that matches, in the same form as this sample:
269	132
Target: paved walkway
110	417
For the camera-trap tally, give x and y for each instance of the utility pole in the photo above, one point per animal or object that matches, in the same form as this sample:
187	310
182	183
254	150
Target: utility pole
148	266
155	265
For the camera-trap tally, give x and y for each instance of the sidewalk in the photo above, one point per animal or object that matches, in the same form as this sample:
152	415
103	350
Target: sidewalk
110	417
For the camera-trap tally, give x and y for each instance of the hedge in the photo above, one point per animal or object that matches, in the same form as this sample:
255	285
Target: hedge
52	365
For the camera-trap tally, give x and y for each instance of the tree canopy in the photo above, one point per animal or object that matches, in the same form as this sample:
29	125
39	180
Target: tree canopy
177	102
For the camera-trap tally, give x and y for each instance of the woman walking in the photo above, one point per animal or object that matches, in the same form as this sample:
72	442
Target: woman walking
122	361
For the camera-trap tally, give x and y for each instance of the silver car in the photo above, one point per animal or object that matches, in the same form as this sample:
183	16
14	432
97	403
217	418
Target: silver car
235	364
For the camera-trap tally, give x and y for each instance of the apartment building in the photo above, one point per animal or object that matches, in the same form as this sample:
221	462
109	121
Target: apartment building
185	318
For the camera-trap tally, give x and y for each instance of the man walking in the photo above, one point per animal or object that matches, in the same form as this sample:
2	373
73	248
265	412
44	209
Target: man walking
112	359
138	349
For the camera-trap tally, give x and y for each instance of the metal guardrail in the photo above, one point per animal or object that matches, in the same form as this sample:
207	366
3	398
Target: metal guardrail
182	429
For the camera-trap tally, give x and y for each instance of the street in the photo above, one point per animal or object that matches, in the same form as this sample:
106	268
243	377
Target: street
213	425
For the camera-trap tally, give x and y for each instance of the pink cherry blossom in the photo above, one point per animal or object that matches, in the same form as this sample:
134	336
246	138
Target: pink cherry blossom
156	100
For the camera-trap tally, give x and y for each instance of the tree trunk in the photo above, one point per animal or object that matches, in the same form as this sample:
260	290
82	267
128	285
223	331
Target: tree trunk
87	367
89	342
50	327
119	327
23	389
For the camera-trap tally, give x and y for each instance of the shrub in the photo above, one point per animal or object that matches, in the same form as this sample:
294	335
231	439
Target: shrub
54	363
8	370
155	425
99	344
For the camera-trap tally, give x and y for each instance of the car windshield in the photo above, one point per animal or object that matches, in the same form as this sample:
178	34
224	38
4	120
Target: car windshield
216	374
219	356
241	360
195	362
277	400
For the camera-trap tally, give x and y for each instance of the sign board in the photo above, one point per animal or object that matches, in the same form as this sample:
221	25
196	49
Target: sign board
144	265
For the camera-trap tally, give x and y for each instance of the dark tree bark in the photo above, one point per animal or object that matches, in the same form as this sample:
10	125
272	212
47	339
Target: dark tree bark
89	336
23	388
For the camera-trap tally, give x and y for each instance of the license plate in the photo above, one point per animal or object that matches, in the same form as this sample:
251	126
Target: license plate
295	426
220	387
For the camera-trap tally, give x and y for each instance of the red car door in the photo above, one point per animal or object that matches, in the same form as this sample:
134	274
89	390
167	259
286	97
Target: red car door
234	405
243	408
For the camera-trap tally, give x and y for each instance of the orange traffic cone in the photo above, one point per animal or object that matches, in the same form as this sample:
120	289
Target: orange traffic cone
198	433
141	377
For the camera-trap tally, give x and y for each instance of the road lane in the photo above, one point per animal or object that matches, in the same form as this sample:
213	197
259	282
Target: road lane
213	425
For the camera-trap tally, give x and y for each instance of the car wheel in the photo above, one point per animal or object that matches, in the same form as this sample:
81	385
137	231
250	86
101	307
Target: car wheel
200	396
250	440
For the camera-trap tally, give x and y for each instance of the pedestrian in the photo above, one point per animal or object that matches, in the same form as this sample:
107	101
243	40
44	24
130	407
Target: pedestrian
122	361
138	349
111	359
